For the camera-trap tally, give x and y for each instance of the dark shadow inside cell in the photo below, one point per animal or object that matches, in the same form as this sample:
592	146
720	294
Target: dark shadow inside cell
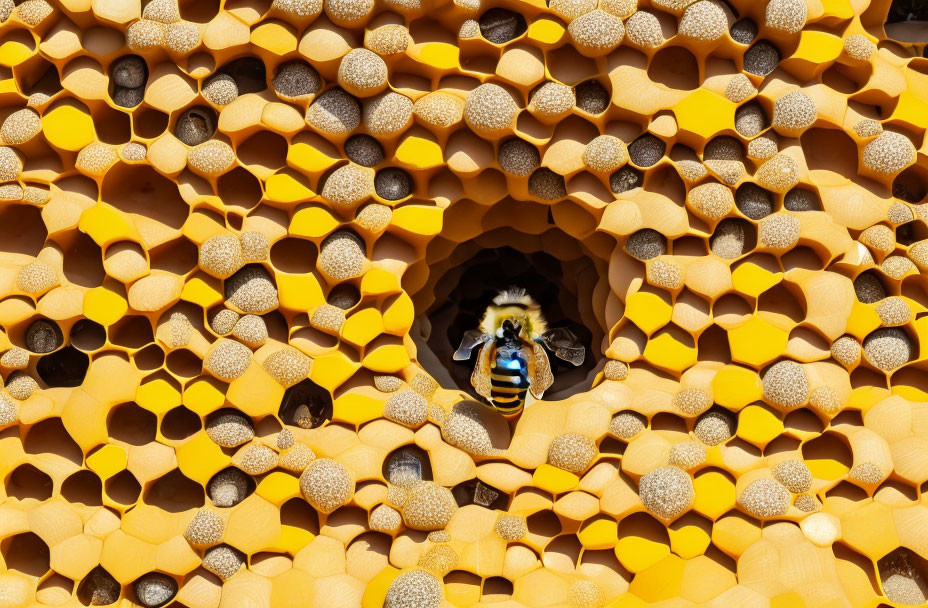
64	368
543	523
22	229
676	68
87	335
180	423
231	486
123	488
294	255
296	512
476	492
83	487
175	493
497	589
407	464
149	123
98	588
25	553
27	482
306	405
499	25
344	296
249	74
132	331
132	424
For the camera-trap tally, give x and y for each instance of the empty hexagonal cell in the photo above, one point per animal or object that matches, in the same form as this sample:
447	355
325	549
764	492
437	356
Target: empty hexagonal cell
407	464
476	492
27	482
306	405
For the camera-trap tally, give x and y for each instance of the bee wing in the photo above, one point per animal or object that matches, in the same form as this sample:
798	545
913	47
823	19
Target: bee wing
481	376
471	340
564	344
539	371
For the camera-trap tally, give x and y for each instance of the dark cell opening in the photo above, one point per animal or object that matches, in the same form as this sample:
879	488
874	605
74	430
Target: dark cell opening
344	296
26	553
87	335
64	368
592	97
196	125
306	405
407	464
907	10
98	588
499	25
476	492
248	73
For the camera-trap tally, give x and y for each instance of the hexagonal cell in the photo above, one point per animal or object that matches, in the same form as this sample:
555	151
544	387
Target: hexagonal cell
306	405
25	553
902	576
407	464
27	482
123	488
476	492
98	588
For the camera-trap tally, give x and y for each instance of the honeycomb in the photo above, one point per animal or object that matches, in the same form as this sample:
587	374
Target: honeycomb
240	240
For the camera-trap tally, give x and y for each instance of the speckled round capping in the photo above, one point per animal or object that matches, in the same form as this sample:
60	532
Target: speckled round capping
255	246
868	128
439	536
572	452
592	98
859	47
647	150
728	240
867	473
298	8
800	199
846	350
439	109
334	113
646	244
904	589
364	150
740	88
95	159
9	411
230	429
568	10
228	488
223	321
181	37
743	31
712	201
155	589
397	495
715	427
195	126
787	15
374	217
687	454
627	424
6	9
328	318
605	154
21	386
469	29
518	157
408	408
428	506
342	255
674	6
348	13
586	594
439	560
252	290
128	98
344	296
691	170
665	273
297	80
778	174
387	39
348	186
615	370
625	179
666	492
761	59
15	358
11	192
10	164
362	73
424	384
808	503
145	34
705	20
793	113
765	498
778	231
392	184
547	185
889	153
415	589
868	288
596	33
785	384
894	311
227	359
692	401
162	11
285	439
552	100
206	528
899	213
794	475
384	518
511	527
134	151
221	255
387	384
223	561
826	400
43	337
644	29
36	277
490	111
211	158
326	484
220	89
763	146
897	266
750	119
888	348
20	126
296	458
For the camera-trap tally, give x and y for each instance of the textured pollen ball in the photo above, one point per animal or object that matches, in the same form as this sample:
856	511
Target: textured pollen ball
615	370
408	408
384	518
644	29
298	8
387	114
20	126
800	199
342	255
778	231
387	39
787	15
348	186
592	98
223	321
499	25
568	10
11	165
206	528
364	150
889	153
362	73
511	527
605	154
793	113
846	350
763	147
765	498
794	475
888	348
326	484
743	31
288	366
761	59
646	244
252	291
547	185
221	255
490	111
428	506
647	150
195	126
625	179
596	33
465	428
334	113
518	157
227	359
808	504
155	589
36	277
228	488
704	20
859	47
894	311
145	34
440	110
786	385
328	318
220	89
750	119
687	454
255	246
392	184
740	88
666	492
230	430
552	100
779	174
715	427
181	37
868	288
223	561
349	13
692	401
572	452
415	589
728	240
712	201
43	336
257	459
296	79
469	29
439	560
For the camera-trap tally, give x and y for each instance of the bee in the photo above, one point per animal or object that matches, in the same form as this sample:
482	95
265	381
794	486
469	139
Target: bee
512	365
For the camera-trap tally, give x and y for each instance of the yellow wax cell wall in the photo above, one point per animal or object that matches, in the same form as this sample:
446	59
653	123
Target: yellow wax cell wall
241	239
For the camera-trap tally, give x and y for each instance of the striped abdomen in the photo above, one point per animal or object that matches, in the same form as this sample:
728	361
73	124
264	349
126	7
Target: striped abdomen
509	383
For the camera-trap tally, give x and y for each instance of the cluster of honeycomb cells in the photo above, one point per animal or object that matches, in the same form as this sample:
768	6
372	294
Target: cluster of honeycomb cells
240	239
